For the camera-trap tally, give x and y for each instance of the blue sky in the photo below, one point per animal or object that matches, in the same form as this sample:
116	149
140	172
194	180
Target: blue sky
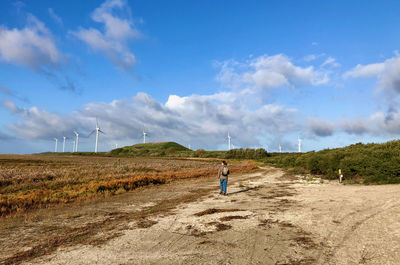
190	71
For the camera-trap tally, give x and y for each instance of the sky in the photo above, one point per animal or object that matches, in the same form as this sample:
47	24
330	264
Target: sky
267	72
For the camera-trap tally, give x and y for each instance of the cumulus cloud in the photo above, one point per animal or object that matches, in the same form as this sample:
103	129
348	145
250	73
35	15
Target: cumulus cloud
379	124
369	70
34	47
113	40
354	126
267	72
387	74
200	120
321	127
388	122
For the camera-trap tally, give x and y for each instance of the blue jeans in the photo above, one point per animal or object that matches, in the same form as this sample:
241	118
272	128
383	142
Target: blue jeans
223	183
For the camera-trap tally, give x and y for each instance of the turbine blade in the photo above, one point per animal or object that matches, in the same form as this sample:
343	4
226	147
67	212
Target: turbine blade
102	132
91	133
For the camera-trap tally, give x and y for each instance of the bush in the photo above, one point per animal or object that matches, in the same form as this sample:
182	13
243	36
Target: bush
373	163
246	153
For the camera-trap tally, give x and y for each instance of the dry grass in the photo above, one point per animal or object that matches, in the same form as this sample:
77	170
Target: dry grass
34	181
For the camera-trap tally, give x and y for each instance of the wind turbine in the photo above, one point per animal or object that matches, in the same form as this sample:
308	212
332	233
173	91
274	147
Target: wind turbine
76	141
229	141
55	149
299	143
144	136
97	130
64	143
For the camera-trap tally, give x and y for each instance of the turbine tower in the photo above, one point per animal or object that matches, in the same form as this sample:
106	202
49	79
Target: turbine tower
76	141
229	141
144	136
73	146
64	143
97	130
299	143
280	149
55	148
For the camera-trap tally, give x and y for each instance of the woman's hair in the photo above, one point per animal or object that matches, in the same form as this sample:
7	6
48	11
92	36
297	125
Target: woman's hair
224	162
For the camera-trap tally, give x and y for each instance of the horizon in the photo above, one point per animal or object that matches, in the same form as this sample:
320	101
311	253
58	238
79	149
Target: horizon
264	72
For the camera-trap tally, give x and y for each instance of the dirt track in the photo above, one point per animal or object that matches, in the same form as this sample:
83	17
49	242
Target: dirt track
268	218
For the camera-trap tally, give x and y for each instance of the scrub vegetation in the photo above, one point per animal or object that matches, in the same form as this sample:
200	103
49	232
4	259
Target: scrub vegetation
360	163
35	181
172	149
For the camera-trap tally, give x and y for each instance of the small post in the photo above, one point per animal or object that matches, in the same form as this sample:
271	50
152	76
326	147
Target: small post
340	176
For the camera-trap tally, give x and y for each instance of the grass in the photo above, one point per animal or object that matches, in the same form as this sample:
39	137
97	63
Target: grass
37	181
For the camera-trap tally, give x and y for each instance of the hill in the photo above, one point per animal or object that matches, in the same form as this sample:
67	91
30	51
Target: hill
149	149
360	163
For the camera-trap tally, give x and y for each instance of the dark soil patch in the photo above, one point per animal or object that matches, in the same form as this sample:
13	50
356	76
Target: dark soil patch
267	222
222	227
228	218
145	223
287	176
278	193
213	210
197	233
305	241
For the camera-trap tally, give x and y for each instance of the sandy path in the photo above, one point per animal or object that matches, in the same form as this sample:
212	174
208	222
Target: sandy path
266	219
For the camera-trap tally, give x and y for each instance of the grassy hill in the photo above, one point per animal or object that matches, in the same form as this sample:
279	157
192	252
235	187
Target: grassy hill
149	149
360	163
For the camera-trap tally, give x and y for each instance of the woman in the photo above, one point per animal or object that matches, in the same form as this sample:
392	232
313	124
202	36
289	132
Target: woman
223	174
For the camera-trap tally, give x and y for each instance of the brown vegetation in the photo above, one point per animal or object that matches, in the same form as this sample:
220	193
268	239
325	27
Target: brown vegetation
213	210
28	182
232	217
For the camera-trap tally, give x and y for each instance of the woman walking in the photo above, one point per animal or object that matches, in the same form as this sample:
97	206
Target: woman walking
223	174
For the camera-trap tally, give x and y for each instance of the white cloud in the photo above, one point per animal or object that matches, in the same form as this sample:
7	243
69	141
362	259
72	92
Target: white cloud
387	74
32	46
388	122
200	120
369	70
54	16
330	61
378	124
267	72
113	41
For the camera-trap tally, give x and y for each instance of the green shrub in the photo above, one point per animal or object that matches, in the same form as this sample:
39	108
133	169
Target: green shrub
371	163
